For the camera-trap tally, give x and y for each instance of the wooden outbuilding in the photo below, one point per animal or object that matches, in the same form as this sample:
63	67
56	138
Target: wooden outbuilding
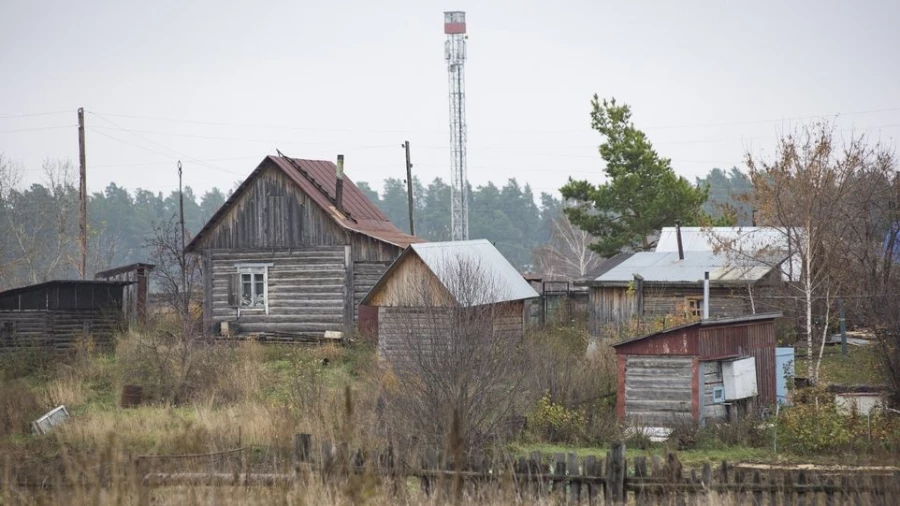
708	370
430	285
653	284
61	315
136	293
293	251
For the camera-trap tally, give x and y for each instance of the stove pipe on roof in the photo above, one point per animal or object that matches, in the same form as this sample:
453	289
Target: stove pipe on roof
339	184
678	237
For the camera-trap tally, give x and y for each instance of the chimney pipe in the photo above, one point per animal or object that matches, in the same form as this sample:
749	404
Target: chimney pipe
706	295
678	237
339	184
753	218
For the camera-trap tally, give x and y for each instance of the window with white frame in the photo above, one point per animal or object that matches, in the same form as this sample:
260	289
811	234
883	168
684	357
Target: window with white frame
253	286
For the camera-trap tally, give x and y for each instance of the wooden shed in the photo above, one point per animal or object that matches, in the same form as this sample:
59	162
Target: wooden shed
690	371
59	315
431	284
293	251
651	284
136	293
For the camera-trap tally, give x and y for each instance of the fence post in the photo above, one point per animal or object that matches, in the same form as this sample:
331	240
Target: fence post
615	474
801	493
559	476
640	473
829	492
592	469
302	447
574	479
757	489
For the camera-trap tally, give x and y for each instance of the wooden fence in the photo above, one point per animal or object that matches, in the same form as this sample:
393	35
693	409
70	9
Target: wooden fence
594	479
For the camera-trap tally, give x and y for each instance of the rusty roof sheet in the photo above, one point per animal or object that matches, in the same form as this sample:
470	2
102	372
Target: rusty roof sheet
318	179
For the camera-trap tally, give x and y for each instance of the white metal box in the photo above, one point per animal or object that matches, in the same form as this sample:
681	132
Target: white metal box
739	377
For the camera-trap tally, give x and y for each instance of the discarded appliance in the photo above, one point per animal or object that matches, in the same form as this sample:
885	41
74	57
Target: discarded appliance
55	417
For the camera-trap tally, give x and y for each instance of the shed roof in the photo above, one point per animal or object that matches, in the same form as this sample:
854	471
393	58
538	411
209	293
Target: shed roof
318	179
124	268
60	282
667	268
710	322
439	258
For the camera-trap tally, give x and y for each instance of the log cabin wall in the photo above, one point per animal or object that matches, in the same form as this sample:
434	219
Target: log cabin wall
307	290
615	305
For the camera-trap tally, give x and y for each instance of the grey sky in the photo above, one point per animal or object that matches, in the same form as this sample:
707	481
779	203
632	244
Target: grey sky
706	80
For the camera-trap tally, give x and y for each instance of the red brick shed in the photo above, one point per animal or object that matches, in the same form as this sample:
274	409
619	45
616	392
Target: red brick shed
684	372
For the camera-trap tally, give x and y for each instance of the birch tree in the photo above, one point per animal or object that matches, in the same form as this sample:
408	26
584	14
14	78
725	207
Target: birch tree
568	253
813	193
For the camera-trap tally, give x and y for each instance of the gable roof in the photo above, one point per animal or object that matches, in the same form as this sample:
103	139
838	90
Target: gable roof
667	268
708	238
510	285
318	179
710	322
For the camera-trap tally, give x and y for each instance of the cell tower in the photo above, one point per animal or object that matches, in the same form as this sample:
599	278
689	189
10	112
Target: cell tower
455	54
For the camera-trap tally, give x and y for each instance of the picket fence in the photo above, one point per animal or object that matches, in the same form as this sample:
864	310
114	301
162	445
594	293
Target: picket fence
592	480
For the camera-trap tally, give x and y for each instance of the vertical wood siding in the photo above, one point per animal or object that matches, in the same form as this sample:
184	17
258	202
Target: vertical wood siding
658	390
273	213
755	339
610	305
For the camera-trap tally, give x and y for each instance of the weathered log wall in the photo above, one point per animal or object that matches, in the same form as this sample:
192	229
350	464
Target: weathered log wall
57	330
658	390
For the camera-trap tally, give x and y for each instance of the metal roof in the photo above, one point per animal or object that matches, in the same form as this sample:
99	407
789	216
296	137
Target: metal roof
710	238
741	241
318	179
441	257
709	322
656	267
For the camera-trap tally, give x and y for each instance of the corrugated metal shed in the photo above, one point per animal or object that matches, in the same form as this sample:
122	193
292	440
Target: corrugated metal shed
318	179
667	268
440	257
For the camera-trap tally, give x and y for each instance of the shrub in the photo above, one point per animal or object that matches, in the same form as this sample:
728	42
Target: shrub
815	424
555	423
173	369
19	406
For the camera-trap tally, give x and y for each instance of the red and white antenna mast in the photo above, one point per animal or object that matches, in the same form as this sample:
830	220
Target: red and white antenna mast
455	54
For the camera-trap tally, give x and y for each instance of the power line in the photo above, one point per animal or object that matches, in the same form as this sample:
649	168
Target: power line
31	115
178	154
396	131
36	129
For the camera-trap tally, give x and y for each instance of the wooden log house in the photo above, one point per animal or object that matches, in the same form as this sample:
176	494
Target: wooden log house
292	252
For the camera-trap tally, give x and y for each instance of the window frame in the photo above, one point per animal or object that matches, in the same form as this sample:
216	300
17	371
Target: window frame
253	269
695	311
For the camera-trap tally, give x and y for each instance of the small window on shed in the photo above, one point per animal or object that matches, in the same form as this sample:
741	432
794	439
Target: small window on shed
693	306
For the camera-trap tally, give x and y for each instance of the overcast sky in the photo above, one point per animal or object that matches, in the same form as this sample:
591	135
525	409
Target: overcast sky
221	84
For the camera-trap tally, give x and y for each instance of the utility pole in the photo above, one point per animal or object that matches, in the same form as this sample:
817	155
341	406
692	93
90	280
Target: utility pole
181	259
409	189
82	192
